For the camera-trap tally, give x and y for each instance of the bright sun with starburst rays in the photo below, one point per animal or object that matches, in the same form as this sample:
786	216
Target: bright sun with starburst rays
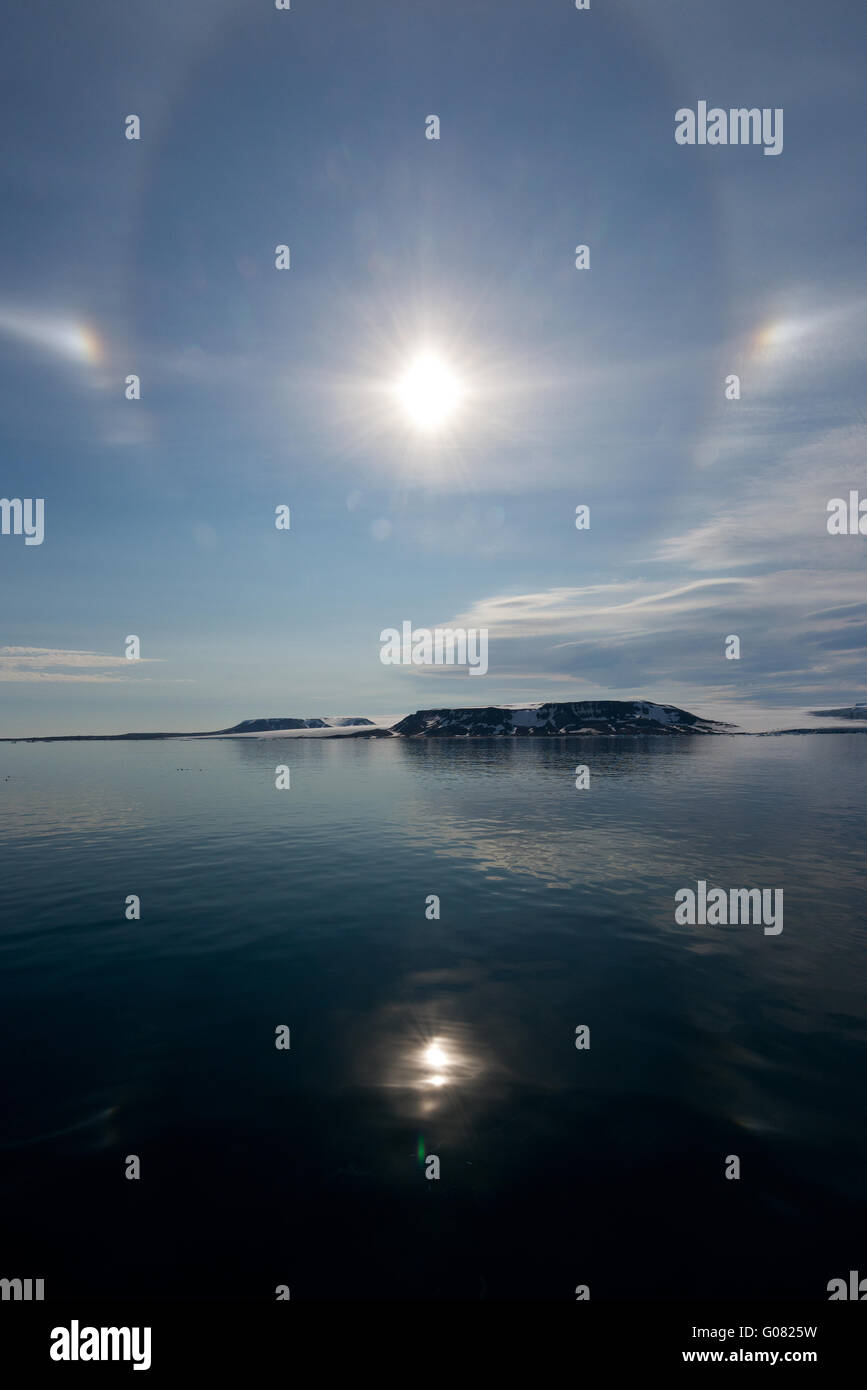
429	393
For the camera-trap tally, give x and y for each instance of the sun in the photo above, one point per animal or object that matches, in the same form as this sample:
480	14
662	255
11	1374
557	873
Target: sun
429	392
435	1055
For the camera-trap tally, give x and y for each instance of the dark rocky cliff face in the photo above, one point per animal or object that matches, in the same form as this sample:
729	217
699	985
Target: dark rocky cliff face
849	712
558	718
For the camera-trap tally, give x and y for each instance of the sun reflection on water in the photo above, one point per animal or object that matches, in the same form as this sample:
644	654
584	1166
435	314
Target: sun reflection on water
431	1069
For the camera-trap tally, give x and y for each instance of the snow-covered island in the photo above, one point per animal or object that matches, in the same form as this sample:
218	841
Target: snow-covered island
557	719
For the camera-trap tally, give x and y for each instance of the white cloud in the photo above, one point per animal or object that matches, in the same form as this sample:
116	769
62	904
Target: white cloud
800	636
52	664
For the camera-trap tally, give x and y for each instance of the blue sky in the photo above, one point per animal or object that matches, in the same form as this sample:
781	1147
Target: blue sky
260	387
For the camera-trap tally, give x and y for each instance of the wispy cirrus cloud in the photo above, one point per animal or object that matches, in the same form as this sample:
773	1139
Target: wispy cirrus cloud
53	664
780	512
799	636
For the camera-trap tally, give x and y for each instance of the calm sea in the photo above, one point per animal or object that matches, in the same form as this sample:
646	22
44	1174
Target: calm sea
412	1037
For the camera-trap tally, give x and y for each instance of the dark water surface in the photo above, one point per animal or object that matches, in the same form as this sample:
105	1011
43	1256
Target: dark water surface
453	1037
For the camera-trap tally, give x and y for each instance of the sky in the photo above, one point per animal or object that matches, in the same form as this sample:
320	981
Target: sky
601	387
